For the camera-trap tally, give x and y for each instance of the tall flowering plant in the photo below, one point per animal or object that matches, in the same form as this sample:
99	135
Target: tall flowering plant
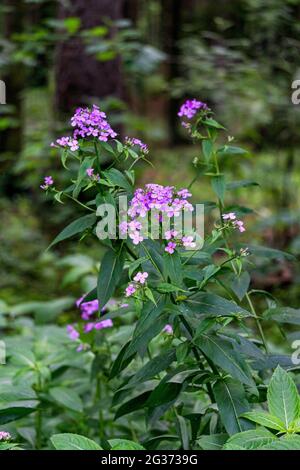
214	363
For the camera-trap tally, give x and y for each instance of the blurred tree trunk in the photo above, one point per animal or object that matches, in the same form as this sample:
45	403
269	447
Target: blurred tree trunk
172	19
131	10
79	76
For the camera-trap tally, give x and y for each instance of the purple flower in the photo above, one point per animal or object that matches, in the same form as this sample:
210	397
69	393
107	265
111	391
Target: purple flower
89	327
230	217
67	142
48	181
88	309
90	172
170	248
131	142
5	436
191	107
130	290
104	324
72	332
188	242
141	277
168	329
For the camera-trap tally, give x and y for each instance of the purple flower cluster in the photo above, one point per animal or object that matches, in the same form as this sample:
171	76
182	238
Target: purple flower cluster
91	123
67	142
140	280
174	241
131	142
4	436
88	309
164	199
191	107
48	181
87	123
231	219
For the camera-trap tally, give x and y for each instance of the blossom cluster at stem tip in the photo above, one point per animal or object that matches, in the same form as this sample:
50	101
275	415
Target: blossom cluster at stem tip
132	141
191	107
87	123
232	220
48	181
139	281
88	309
166	200
5	436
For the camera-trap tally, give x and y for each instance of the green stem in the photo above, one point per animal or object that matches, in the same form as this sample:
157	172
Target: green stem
78	202
100	412
197	356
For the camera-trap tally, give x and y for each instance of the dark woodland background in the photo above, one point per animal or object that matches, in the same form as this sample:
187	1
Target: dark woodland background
139	59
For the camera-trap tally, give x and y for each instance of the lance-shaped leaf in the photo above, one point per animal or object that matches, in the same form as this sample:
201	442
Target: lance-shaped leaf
231	400
74	228
214	305
221	353
109	276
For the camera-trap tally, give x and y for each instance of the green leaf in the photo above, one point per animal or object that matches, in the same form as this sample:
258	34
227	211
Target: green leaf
231	400
265	419
222	353
153	367
135	264
121	361
240	184
69	441
109	276
267	252
229	150
72	24
283	399
115	177
285	443
124	444
149	295
219	186
283	315
13	413
132	405
207	149
141	340
214	305
165	287
149	316
212	123
251	440
165	392
184	432
88	162
67	398
173	268
78	226
240	284
212	442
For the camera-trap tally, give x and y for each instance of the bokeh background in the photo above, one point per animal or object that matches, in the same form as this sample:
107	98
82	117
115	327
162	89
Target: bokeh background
140	59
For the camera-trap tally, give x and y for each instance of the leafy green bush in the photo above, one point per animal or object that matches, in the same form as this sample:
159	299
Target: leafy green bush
185	345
